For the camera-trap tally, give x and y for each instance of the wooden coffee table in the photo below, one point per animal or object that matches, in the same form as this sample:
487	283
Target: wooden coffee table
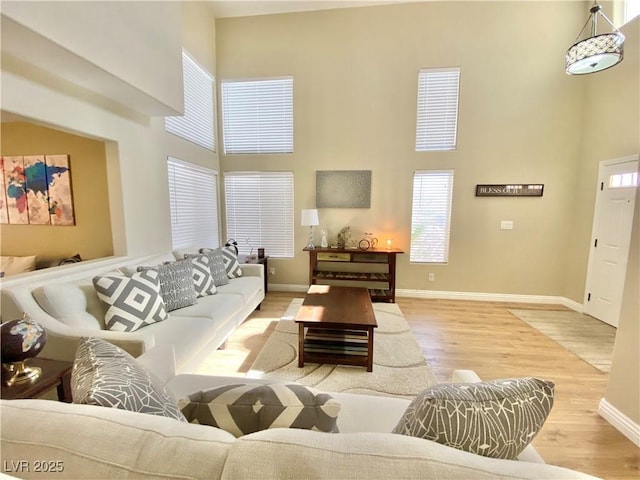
335	325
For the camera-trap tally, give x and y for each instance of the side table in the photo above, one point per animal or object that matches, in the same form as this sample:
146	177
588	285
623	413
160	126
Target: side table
54	374
261	261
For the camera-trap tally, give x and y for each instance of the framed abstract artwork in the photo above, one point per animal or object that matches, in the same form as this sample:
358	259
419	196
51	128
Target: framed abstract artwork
36	190
343	189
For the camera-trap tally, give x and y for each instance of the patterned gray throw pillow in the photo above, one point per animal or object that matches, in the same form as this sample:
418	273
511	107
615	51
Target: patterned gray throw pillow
495	419
246	408
134	302
203	280
218	270
176	283
105	375
229	258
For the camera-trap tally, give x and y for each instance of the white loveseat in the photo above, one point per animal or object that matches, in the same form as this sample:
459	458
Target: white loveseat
63	300
84	441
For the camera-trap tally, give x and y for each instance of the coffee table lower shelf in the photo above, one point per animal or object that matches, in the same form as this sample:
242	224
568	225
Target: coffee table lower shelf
337	347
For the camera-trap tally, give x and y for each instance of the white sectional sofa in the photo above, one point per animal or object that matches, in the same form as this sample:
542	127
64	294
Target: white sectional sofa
63	300
109	443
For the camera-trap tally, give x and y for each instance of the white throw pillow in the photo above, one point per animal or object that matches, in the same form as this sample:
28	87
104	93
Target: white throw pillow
68	303
15	265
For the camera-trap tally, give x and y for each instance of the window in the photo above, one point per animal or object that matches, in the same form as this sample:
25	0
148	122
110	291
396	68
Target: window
623	180
431	216
631	10
259	208
257	116
438	92
197	123
193	196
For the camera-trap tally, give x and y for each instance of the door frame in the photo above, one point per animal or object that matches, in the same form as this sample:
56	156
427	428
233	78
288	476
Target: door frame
590	264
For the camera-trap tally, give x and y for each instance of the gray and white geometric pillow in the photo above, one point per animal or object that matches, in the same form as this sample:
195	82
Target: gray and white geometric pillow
218	270
496	419
105	375
176	283
134	302
246	408
230	259
202	277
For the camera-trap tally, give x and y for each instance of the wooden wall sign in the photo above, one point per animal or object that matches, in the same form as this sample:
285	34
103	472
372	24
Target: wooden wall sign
512	190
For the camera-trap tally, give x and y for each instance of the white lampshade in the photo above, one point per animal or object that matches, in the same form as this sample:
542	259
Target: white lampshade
310	218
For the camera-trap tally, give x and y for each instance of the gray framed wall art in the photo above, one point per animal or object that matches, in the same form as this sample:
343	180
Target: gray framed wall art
343	188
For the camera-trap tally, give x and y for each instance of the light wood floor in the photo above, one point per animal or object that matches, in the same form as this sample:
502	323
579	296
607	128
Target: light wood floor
486	338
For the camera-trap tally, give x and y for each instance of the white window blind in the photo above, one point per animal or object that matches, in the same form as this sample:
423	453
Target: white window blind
197	124
259	207
193	196
257	116
431	216
437	124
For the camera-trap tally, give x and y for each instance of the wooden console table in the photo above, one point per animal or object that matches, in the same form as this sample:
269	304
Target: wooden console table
376	269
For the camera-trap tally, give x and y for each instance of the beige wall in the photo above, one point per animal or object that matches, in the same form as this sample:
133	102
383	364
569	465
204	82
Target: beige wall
136	146
91	235
611	129
355	79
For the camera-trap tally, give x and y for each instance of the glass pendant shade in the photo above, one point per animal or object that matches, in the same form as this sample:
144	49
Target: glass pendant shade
596	52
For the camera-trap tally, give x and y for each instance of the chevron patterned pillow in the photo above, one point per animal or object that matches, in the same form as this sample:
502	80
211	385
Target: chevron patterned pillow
105	375
134	302
494	419
246	408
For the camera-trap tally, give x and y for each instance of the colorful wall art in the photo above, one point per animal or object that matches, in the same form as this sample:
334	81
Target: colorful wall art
36	190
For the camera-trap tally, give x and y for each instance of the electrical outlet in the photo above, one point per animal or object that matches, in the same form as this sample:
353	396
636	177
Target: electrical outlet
432	277
272	270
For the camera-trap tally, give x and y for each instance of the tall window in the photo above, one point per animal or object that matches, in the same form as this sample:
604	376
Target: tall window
259	207
197	124
257	115
631	10
193	196
431	216
437	123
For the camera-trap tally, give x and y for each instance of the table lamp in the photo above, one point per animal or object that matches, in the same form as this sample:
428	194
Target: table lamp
310	219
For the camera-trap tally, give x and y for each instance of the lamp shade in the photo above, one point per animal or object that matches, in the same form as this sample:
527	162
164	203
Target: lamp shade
596	52
310	218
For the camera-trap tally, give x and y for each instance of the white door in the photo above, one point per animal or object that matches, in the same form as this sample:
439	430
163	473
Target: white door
613	217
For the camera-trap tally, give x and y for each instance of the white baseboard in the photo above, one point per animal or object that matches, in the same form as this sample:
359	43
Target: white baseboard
620	421
446	295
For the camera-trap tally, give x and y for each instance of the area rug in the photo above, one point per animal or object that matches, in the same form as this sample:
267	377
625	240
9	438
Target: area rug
584	336
399	368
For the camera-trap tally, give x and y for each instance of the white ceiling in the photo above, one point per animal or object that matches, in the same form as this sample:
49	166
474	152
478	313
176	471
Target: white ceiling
244	8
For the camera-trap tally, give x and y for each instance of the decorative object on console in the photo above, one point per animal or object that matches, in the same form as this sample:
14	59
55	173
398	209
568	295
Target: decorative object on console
21	340
38	190
260	252
247	408
344	238
324	243
310	219
69	260
369	241
107	376
497	418
343	188
595	52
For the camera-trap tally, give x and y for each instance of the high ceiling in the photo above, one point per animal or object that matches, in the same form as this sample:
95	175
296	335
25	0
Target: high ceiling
242	8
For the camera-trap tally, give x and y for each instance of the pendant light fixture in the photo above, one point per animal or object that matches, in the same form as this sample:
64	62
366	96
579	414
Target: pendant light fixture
596	52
